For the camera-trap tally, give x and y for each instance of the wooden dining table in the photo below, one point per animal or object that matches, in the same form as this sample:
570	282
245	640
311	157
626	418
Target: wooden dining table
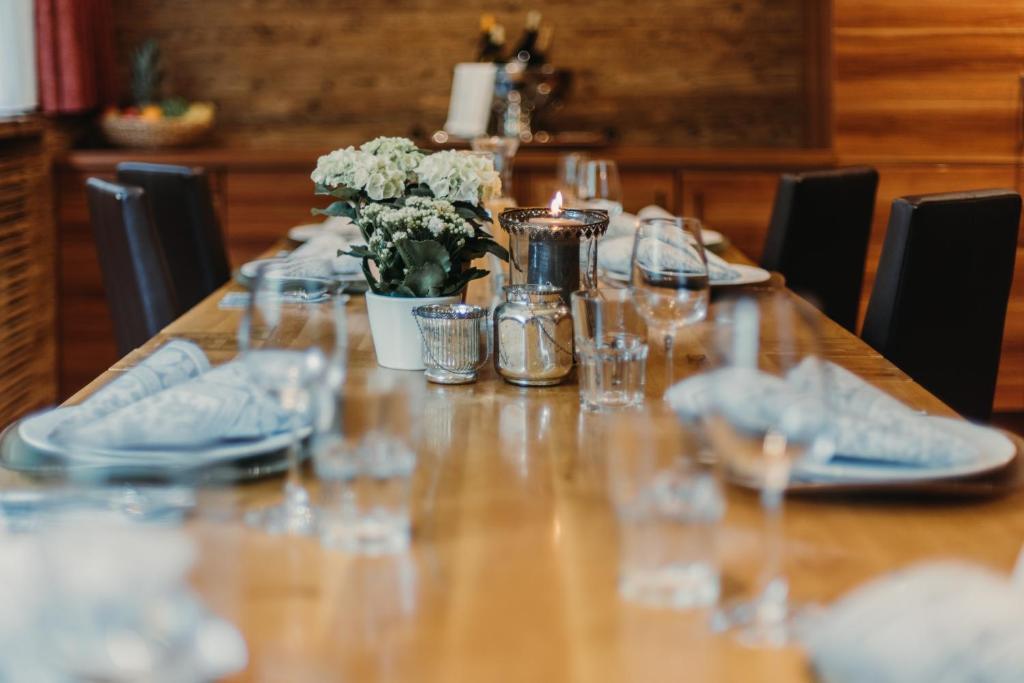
511	573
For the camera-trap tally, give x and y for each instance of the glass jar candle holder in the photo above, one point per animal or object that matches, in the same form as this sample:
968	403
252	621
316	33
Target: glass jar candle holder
552	246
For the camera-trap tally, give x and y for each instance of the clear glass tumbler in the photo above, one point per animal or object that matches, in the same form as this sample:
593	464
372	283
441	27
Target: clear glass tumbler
365	464
611	349
668	508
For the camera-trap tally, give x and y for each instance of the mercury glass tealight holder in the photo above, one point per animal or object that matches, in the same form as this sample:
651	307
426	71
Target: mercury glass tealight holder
554	247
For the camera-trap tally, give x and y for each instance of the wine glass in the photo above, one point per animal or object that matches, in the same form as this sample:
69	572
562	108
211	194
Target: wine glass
768	408
598	186
669	278
293	342
568	170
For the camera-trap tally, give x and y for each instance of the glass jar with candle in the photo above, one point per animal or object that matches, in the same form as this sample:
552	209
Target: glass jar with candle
554	246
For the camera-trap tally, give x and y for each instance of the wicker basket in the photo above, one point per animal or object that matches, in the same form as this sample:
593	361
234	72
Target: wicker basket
132	131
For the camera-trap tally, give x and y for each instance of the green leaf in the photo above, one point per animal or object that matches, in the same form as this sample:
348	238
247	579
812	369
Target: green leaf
340	208
457	284
425	280
422	252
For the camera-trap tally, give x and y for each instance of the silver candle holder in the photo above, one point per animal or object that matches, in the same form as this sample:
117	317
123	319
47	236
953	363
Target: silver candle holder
552	246
456	341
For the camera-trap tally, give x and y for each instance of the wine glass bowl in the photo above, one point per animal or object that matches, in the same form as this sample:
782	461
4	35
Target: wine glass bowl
669	277
598	186
292	341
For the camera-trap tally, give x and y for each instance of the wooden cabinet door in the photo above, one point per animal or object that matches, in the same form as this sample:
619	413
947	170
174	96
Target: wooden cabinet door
262	205
736	203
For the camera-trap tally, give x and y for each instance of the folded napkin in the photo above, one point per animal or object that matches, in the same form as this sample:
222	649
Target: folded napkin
622	225
653	211
173	363
616	254
189	406
943	622
863	421
309	259
342	227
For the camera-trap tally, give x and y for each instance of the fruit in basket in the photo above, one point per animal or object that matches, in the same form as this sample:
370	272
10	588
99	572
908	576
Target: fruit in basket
150	121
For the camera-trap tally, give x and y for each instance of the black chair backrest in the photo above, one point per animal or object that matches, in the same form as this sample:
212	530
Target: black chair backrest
938	306
135	274
818	236
186	224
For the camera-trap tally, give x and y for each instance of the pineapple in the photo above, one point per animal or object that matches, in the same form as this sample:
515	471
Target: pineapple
147	73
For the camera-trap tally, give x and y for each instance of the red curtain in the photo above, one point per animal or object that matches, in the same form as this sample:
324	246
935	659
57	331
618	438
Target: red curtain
75	48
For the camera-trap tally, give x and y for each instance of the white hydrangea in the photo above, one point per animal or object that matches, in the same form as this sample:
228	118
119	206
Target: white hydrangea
459	176
401	152
379	177
421	218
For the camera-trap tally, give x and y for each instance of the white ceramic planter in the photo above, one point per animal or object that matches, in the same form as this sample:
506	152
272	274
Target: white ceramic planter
396	339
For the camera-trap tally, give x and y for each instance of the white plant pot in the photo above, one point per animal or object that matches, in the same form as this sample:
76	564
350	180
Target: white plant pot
396	338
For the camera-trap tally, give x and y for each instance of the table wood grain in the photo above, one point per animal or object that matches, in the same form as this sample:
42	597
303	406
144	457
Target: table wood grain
512	571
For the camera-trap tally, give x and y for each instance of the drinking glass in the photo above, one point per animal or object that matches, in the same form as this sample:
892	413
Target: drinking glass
611	348
568	170
668	508
598	186
768	407
365	463
293	341
669	278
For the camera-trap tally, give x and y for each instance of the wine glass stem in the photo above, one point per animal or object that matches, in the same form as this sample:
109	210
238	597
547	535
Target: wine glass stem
773	601
669	364
295	495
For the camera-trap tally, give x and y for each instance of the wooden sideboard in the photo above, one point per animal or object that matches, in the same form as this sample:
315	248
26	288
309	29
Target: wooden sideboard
261	193
27	288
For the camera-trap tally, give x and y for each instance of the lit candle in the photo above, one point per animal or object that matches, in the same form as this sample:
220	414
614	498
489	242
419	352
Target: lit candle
556	218
555	260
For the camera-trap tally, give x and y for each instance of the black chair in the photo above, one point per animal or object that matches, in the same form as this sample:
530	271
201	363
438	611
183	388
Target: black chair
818	237
186	224
135	274
939	301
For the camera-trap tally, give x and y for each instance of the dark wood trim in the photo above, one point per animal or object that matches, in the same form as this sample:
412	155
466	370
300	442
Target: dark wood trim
819	68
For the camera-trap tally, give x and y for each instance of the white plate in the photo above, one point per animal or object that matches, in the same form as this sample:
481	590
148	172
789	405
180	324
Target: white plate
250	269
749	275
994	451
35	432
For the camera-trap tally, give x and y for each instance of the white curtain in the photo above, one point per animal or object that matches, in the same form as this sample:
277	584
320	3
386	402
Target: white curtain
18	91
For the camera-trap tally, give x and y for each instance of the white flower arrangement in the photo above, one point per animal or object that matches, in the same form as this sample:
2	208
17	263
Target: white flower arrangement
420	213
459	177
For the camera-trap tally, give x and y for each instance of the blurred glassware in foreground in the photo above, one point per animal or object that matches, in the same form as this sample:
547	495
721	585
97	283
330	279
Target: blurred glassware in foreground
611	349
293	341
668	508
758	435
598	186
365	463
669	278
92	595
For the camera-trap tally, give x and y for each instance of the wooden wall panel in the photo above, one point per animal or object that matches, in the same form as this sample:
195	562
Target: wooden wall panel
928	77
688	72
27	293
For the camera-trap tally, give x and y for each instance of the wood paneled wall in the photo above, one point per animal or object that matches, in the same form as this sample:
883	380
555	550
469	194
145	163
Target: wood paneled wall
929	77
684	72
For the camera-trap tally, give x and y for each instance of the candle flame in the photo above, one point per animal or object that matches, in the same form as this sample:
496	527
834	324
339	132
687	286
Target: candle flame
556	204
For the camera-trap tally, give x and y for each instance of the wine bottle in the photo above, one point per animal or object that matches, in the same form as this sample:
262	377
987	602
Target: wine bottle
524	52
492	40
541	53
